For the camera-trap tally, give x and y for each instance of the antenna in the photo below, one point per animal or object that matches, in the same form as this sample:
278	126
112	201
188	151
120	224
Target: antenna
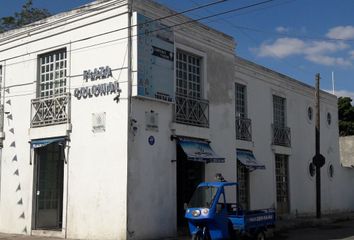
333	82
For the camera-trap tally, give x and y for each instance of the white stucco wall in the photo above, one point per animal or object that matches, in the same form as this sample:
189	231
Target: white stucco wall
346	145
107	195
261	84
152	176
95	176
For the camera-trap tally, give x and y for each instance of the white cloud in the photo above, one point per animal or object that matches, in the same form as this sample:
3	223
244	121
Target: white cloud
342	93
341	32
281	48
328	61
343	62
282	29
314	51
323	47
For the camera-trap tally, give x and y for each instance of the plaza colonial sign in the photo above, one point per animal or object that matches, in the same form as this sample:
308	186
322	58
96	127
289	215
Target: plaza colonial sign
97	89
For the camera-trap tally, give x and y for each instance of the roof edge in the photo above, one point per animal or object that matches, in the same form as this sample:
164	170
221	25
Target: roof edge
57	18
271	71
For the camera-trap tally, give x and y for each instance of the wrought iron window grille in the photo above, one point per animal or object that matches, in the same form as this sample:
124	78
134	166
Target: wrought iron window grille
281	135
191	111
52	110
243	129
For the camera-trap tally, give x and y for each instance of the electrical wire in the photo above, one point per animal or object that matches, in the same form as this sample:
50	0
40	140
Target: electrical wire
245	34
292	35
31	92
115	30
140	34
147	33
242	29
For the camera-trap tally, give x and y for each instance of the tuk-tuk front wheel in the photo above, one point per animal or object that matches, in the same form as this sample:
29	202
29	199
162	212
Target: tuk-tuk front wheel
201	235
232	233
260	236
197	236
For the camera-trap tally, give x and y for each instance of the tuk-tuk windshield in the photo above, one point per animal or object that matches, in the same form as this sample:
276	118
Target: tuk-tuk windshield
203	197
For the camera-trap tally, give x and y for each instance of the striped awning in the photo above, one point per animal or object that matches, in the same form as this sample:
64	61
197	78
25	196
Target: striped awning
38	143
199	150
247	158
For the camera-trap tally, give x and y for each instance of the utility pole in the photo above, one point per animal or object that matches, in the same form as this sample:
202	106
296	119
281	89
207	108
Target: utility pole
318	159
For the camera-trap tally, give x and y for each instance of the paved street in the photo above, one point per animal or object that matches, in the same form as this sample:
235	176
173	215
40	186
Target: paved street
338	230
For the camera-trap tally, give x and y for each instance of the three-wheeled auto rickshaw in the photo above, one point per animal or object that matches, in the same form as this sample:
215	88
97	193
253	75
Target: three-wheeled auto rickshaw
211	217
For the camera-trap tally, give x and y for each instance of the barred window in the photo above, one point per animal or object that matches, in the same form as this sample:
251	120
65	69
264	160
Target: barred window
188	75
279	111
240	96
52	73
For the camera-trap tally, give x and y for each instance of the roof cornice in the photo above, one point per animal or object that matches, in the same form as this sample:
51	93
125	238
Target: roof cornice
283	81
193	30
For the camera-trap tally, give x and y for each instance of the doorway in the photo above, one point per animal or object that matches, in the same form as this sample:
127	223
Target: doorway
189	175
48	194
243	188
282	183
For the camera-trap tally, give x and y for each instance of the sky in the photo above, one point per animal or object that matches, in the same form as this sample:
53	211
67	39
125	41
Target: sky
298	38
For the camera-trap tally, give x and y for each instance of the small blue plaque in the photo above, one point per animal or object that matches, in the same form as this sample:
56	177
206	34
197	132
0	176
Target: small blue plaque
151	140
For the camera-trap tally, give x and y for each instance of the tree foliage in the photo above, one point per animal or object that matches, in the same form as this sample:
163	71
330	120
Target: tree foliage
345	116
27	15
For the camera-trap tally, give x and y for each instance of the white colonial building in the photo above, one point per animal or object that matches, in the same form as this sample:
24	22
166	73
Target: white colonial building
112	114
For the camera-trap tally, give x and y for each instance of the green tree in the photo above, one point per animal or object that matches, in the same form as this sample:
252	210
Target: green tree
27	15
345	116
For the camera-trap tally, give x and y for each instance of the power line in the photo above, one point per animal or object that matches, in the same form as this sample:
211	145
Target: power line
246	12
249	37
292	35
196	20
302	36
160	29
31	92
119	29
144	33
183	12
241	30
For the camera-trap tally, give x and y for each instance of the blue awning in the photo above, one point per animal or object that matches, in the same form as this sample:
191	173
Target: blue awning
199	150
247	158
44	142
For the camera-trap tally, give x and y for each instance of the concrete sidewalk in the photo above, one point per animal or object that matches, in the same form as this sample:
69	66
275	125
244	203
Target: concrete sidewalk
4	236
282	225
312	221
